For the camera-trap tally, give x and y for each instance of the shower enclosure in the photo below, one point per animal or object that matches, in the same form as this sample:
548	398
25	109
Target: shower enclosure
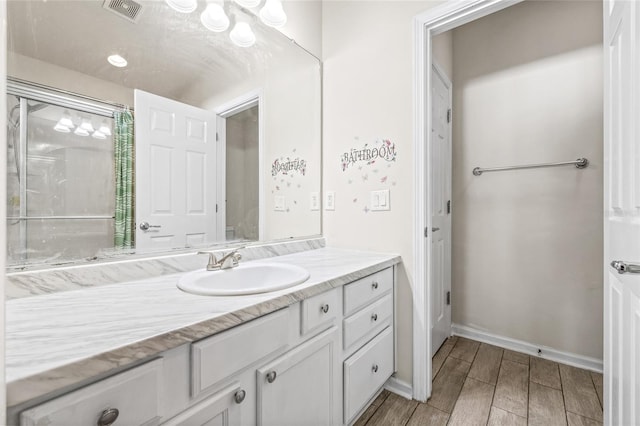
60	176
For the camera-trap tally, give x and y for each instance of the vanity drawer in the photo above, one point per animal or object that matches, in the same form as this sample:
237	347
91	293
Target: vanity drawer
361	292
366	323
134	393
319	311
366	371
224	354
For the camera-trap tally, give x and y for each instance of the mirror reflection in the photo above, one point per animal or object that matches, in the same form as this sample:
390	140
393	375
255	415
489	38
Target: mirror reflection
194	141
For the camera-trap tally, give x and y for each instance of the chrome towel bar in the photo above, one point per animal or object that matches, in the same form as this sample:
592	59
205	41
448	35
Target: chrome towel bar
580	163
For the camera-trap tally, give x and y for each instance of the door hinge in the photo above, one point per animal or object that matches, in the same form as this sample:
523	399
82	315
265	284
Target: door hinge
217	137
216	208
449	207
448	298
449	115
426	232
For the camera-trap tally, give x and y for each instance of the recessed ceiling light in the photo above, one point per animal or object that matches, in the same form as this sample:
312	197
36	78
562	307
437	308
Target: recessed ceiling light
117	61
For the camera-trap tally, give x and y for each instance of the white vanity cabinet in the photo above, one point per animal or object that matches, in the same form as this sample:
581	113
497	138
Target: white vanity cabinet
316	362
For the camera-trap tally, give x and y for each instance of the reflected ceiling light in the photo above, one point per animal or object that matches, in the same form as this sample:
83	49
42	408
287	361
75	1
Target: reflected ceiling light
86	125
81	132
98	135
214	18
117	61
272	14
104	129
66	120
61	127
183	6
242	36
248	3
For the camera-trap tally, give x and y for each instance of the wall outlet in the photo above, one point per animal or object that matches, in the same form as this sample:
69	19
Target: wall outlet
380	200
330	200
314	201
279	203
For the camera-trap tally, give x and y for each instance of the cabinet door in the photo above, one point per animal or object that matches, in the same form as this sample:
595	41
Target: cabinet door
220	409
302	386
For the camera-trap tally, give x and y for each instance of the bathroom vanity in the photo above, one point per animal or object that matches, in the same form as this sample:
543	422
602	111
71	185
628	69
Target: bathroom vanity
147	353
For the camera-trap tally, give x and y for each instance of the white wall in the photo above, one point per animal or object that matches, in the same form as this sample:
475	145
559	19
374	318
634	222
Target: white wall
442	48
3	195
527	245
368	95
304	24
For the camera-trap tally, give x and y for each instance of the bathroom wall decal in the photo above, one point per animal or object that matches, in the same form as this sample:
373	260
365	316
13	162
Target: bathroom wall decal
288	166
381	149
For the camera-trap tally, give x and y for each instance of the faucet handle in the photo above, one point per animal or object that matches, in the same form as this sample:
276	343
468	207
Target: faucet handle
212	259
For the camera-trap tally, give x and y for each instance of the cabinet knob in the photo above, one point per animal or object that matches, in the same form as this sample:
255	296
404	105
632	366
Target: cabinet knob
374	368
271	376
108	417
374	285
239	396
325	308
374	317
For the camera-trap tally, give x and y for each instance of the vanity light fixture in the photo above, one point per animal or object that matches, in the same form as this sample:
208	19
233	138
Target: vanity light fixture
241	35
66	120
272	14
98	135
87	126
81	132
104	129
248	3
61	127
117	61
214	18
183	6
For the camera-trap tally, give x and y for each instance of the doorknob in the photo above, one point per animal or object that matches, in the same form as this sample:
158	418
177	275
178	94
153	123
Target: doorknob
145	226
624	267
435	229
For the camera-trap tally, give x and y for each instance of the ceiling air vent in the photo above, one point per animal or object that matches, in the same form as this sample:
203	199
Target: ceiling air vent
127	9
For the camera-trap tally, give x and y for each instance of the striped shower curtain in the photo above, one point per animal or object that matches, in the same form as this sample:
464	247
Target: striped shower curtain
123	147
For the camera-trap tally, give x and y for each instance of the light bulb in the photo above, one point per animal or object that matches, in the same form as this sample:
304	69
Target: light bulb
183	6
98	135
81	132
248	3
86	125
242	36
272	14
214	18
104	129
66	120
59	127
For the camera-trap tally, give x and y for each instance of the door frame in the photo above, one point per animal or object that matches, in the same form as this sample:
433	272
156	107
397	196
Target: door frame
234	106
426	25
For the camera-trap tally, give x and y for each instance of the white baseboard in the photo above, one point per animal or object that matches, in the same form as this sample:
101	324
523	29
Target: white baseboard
546	352
399	387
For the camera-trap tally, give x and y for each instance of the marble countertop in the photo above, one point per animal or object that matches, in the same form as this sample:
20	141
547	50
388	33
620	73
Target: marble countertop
62	339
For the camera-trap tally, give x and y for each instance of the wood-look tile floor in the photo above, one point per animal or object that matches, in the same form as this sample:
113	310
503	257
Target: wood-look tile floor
479	384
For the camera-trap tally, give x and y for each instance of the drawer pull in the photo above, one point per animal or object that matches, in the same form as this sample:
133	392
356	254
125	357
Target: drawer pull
271	376
324	308
374	285
239	396
108	417
374	317
374	368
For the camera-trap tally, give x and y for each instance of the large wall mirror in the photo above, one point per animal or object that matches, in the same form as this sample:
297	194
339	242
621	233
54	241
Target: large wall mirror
202	138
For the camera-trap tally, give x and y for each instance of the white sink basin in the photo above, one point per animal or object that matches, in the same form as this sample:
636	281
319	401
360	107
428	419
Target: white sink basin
247	278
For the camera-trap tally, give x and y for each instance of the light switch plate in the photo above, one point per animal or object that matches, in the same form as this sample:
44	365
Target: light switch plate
314	201
380	200
330	200
279	203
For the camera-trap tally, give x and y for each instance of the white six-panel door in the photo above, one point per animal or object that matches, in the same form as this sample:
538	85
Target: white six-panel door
175	173
622	213
441	217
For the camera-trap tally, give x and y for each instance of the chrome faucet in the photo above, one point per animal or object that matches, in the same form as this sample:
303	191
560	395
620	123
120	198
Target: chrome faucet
229	260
